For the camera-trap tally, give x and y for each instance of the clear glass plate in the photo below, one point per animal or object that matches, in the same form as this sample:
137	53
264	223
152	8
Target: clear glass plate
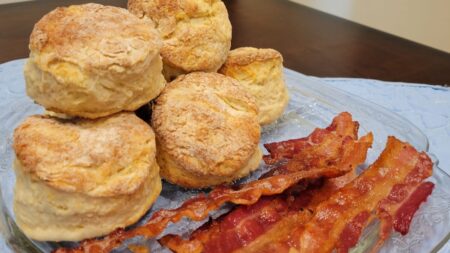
312	104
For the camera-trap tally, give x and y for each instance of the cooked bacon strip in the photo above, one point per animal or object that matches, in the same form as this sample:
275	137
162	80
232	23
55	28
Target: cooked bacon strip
352	230
334	156
274	217
283	236
392	189
399	164
277	236
397	210
334	146
316	143
215	238
199	207
404	214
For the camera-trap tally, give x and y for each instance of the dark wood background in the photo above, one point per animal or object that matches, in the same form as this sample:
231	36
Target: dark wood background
311	42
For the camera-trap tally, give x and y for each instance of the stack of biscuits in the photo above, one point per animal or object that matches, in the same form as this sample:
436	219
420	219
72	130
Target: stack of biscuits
90	165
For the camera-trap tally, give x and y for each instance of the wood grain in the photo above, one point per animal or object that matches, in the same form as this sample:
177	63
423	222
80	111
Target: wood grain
311	42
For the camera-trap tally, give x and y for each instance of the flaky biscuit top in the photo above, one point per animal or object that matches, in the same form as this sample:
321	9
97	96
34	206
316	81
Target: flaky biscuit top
260	72
105	157
207	124
247	55
196	33
93	36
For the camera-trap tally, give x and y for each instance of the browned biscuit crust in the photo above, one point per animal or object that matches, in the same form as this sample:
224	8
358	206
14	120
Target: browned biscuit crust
196	33
260	73
206	129
92	61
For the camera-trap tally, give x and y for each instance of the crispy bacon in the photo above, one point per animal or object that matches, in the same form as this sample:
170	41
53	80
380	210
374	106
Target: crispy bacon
283	237
278	234
242	226
334	152
327	219
405	212
338	148
399	166
317	143
274	217
199	207
352	230
397	210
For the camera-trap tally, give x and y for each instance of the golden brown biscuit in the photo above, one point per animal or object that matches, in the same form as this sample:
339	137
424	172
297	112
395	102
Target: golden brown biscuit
207	131
79	179
92	61
260	72
196	33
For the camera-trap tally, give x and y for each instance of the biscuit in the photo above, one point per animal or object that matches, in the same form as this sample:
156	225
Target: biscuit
92	61
207	131
196	33
79	178
260	72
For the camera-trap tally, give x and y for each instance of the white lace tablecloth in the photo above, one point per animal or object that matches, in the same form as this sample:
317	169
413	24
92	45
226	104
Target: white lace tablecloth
428	107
